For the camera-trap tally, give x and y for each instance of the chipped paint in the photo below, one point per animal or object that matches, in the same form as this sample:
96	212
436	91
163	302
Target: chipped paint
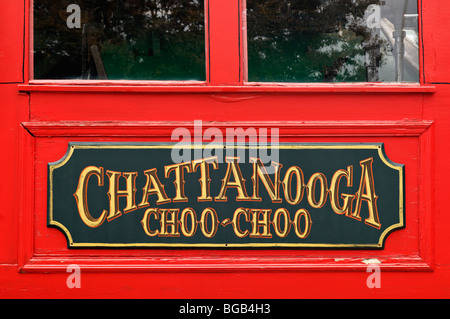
371	261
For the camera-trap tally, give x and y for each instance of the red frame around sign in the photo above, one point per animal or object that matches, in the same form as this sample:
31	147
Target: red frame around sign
226	73
44	258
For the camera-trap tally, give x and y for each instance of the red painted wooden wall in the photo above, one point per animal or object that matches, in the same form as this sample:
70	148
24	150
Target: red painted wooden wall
38	119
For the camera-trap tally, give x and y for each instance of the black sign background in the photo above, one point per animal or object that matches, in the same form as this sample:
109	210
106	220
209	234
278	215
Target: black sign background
328	229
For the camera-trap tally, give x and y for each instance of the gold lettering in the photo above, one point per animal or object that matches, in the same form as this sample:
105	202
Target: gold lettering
205	180
204	222
183	222
257	223
114	193
276	221
260	172
153	186
312	190
145	222
297	223
179	179
239	181
236	222
334	191
81	196
367	184
287	185
166	222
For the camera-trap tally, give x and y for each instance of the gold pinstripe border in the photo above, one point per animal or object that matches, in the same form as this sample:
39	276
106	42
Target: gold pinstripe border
112	145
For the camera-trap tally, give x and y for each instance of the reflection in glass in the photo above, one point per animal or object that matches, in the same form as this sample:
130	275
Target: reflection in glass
332	41
119	39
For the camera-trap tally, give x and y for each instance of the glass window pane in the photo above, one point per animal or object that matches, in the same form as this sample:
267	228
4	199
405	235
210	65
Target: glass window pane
332	41
119	39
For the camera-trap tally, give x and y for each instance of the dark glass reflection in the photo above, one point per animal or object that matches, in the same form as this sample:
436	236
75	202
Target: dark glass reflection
119	39
332	41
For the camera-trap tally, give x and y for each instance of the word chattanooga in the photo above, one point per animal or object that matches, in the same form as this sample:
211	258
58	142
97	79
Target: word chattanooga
284	186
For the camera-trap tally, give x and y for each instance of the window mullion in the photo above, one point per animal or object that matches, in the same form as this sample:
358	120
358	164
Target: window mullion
223	40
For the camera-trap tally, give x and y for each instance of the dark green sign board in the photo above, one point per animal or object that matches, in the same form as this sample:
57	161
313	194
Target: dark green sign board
312	196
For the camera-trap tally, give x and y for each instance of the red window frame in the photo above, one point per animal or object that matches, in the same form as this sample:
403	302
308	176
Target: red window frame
226	64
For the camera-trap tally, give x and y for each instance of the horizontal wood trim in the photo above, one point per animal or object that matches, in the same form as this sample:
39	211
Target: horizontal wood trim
286	129
224	264
202	87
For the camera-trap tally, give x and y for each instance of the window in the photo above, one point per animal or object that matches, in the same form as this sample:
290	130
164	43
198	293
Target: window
291	41
119	39
332	41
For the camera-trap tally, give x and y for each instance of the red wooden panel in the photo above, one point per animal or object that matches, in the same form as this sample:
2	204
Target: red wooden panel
12	17
13	110
436	48
438	108
225	107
